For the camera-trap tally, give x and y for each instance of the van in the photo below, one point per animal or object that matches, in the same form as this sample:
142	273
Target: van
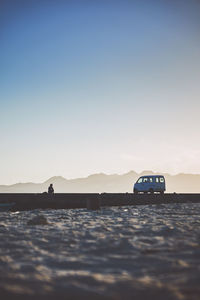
150	184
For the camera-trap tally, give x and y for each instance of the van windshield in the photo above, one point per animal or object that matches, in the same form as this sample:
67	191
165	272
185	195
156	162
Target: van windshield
139	180
143	180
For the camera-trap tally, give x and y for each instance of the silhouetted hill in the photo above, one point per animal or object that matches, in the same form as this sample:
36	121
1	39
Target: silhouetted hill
99	183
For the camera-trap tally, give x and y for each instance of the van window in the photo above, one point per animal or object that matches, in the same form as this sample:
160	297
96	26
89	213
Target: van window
162	179
151	179
139	180
157	179
145	179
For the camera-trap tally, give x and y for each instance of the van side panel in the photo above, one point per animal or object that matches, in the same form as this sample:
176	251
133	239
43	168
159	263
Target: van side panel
150	183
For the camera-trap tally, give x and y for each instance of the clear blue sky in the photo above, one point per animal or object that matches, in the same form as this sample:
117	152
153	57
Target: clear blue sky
98	86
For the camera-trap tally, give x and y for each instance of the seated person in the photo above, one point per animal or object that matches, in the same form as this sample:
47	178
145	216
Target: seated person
50	189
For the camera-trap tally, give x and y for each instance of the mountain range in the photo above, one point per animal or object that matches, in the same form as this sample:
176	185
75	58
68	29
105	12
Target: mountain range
100	183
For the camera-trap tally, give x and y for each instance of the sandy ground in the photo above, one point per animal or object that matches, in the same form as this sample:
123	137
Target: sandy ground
145	252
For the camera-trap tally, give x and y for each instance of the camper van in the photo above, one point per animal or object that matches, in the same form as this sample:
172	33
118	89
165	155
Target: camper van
150	184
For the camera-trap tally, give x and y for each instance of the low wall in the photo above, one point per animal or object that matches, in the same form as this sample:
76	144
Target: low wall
91	201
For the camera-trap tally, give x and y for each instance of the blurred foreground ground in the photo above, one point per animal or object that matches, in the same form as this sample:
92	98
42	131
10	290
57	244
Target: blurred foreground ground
143	252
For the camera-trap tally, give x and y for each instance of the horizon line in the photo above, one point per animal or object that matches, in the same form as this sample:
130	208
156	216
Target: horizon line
100	173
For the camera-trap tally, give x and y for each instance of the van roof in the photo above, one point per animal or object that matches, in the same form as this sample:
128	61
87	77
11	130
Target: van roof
152	176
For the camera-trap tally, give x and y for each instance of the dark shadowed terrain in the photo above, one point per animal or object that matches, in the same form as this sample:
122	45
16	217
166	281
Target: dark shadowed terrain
146	252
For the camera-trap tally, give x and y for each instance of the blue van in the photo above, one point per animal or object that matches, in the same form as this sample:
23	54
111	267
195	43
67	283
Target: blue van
150	184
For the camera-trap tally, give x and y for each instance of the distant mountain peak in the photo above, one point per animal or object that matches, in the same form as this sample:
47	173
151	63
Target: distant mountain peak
97	175
56	179
147	172
130	173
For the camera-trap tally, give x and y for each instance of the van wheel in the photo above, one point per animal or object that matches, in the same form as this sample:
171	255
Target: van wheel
135	191
151	191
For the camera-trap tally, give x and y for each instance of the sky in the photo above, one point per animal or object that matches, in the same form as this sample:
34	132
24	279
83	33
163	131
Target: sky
98	86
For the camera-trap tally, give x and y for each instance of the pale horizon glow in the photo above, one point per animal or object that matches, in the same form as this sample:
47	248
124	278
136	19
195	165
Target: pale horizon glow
98	87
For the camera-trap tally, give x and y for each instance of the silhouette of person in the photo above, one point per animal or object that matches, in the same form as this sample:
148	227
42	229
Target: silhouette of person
50	189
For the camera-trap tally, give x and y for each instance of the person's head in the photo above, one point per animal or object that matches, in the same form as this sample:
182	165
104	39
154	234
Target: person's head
51	184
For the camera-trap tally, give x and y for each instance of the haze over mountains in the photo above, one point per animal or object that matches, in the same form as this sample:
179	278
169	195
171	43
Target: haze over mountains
99	183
